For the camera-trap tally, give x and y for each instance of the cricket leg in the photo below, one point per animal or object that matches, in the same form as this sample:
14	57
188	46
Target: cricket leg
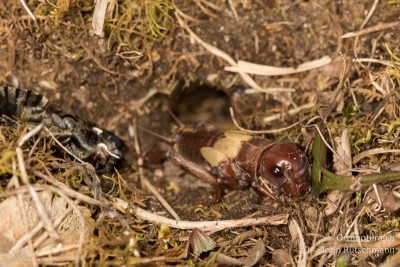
262	189
7	121
197	170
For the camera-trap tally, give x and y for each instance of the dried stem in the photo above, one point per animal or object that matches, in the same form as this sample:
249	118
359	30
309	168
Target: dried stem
146	182
258	132
25	179
212	226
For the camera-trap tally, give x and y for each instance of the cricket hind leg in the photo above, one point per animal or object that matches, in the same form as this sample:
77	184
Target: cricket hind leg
198	171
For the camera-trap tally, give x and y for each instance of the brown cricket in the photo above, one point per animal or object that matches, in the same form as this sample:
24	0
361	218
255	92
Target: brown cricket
236	160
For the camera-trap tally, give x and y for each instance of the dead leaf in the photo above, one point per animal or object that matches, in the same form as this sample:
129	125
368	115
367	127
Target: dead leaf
223	259
342	165
282	258
311	214
387	196
332	201
342	159
255	254
200	242
12	227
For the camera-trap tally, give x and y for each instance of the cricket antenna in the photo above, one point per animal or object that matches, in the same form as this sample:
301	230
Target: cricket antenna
181	125
164	138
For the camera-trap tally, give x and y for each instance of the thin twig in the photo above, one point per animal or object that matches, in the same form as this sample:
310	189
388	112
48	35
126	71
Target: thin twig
356	40
214	226
98	63
63	147
35	198
82	231
232	6
376	28
324	140
68	191
217	52
160	198
291	112
146	182
27	236
139	103
258	132
265	70
270	90
373	151
29	134
369	15
212	5
23	210
133	105
205	10
27	9
302	259
98	17
380	61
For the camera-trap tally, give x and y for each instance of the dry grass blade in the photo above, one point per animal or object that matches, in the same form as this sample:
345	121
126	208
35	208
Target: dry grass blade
68	191
62	146
376	28
98	16
297	235
257	69
388	63
392	261
146	182
290	112
160	198
259	132
234	12
244	68
373	151
219	53
24	176
27	9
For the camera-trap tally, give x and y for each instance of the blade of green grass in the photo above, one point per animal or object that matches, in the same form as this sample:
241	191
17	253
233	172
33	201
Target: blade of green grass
323	179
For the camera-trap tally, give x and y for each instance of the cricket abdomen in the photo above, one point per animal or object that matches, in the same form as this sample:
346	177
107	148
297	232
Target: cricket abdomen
190	142
14	102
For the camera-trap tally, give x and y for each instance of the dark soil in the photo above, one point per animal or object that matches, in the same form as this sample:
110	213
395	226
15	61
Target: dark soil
85	76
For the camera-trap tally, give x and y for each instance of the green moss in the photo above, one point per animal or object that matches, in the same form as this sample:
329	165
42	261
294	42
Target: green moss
60	7
150	19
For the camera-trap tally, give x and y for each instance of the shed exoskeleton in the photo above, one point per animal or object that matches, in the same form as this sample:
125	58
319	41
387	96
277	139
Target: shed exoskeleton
84	139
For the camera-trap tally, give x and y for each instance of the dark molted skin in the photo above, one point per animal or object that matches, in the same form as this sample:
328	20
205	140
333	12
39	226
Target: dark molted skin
253	161
86	141
14	102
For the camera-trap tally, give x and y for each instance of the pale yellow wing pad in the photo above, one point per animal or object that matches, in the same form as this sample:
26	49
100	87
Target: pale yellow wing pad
229	146
213	156
238	135
225	148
